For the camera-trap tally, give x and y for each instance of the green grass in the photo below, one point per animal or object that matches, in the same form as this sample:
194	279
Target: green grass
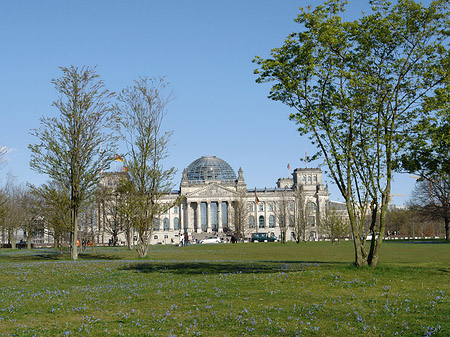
262	289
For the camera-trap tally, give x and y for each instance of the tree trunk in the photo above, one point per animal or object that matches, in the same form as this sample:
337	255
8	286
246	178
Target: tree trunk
142	248
74	252
447	228
12	238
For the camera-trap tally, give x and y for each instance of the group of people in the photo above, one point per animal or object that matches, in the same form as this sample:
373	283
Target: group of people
184	239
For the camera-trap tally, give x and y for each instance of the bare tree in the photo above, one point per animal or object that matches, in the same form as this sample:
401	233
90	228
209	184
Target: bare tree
240	215
142	109
73	146
431	200
284	212
300	213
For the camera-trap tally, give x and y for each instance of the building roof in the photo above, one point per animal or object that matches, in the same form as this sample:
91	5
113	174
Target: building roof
210	168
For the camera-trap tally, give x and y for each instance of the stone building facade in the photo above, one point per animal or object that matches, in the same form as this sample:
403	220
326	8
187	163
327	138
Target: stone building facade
211	192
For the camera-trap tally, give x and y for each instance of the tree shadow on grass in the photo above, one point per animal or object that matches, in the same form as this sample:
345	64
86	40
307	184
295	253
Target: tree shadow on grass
194	268
53	255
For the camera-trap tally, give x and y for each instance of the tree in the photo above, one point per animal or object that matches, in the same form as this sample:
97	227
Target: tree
428	155
13	215
74	146
334	224
358	88
431	200
240	215
29	205
142	108
284	212
54	208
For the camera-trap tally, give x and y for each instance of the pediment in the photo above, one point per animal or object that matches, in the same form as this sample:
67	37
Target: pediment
213	190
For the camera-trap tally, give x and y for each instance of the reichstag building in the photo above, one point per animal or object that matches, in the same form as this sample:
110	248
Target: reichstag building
213	193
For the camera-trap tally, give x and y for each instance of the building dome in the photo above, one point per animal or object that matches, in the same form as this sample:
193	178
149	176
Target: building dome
210	168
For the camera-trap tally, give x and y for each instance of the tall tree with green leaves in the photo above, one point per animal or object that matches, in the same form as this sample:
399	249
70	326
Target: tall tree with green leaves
142	108
73	147
357	88
428	155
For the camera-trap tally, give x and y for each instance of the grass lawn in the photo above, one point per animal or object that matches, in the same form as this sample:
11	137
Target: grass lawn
253	289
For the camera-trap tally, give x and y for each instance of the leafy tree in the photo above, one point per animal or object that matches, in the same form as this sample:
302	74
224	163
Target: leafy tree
334	224
54	207
428	155
73	147
142	109
358	88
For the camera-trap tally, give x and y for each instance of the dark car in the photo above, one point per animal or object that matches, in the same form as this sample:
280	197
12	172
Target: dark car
263	237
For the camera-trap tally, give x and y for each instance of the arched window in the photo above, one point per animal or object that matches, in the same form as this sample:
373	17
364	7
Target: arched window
311	207
261	221
315	179
176	224
303	179
166	224
271	221
156	224
309	179
251	221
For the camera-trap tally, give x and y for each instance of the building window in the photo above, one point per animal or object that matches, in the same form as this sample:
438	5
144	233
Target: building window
309	179
311	207
261	221
176	224
166	236
250	207
156	224
251	221
271	221
271	207
291	206
315	179
166	224
291	221
155	237
311	221
303	180
261	207
175	210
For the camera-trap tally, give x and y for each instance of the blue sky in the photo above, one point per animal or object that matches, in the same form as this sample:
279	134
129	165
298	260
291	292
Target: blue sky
204	48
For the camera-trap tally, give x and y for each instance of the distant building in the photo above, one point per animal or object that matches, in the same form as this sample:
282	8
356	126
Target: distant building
212	191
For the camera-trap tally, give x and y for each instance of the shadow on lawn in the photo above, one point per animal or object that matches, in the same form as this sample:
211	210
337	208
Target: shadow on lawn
53	255
194	268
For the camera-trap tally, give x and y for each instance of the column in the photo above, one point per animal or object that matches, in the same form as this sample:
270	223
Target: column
219	216
188	217
199	220
208	216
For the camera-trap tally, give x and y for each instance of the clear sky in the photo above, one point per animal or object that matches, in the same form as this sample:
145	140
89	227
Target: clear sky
204	48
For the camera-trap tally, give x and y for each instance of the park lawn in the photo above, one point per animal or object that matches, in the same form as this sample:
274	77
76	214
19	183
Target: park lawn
254	289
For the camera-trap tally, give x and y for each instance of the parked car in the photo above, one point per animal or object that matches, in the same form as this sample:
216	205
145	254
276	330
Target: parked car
211	239
263	237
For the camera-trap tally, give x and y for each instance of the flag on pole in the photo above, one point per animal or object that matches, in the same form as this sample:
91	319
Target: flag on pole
256	197
289	167
118	158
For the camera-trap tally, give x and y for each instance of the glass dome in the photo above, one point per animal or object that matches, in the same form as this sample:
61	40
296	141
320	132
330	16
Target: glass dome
210	168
